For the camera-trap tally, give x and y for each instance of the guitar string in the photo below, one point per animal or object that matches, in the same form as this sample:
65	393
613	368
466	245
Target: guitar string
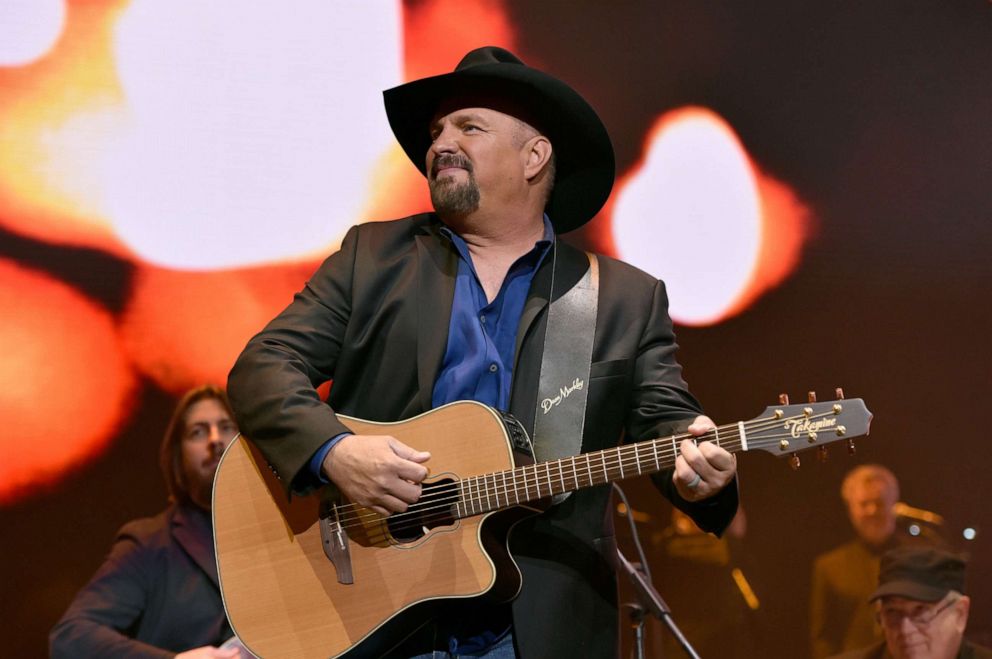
487	487
442	513
755	425
482	499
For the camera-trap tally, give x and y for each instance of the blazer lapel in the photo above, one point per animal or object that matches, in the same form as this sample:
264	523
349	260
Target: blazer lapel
437	266
196	538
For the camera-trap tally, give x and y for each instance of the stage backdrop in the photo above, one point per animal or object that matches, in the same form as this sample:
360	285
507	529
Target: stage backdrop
810	179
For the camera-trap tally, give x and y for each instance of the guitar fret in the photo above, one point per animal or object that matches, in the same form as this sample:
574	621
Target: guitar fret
716	433
637	459
516	492
561	476
547	469
606	472
654	445
458	503
495	494
620	462
575	474
537	482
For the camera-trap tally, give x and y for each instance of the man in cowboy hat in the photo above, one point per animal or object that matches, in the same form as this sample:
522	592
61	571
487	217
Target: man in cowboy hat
921	607
412	314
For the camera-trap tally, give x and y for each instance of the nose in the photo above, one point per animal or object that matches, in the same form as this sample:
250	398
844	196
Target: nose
443	142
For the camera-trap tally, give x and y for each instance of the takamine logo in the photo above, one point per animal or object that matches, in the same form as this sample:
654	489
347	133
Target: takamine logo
805	426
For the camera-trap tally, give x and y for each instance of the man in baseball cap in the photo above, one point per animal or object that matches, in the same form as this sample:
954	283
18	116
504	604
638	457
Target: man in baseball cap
922	607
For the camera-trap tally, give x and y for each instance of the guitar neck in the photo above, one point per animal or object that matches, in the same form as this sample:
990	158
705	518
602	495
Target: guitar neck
499	490
780	430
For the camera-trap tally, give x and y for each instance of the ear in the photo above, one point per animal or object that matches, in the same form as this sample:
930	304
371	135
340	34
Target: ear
536	153
962	606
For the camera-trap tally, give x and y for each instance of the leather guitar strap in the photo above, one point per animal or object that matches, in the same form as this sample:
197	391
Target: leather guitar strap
564	385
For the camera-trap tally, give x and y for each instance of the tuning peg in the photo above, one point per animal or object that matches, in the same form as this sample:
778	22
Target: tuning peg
851	448
839	393
794	462
822	454
811	396
783	399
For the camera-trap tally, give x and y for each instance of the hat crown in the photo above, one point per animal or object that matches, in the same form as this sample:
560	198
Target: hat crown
487	55
922	573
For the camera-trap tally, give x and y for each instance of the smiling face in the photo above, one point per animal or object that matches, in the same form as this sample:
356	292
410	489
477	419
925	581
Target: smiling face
209	430
478	158
924	630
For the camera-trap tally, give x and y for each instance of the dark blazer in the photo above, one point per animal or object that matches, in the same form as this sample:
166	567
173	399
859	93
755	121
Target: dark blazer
880	651
374	318
155	595
841	617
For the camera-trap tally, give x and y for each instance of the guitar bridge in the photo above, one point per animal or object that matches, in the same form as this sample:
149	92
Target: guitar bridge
334	540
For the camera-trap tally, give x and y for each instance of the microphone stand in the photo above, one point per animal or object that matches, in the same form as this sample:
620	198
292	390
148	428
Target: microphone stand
650	602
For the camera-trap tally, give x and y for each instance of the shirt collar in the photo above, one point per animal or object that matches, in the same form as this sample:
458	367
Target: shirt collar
541	246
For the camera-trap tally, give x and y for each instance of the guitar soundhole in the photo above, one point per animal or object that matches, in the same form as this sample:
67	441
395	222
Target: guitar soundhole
435	508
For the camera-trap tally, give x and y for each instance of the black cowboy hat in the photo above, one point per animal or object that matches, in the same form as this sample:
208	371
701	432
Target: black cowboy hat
585	164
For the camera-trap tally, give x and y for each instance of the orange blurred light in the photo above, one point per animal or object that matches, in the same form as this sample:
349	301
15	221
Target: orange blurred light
66	383
438	33
697	212
56	114
183	328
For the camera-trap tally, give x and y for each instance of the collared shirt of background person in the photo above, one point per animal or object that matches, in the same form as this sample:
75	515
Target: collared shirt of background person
414	313
922	607
156	594
841	618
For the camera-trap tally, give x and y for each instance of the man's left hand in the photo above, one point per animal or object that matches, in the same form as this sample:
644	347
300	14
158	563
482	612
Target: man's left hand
702	470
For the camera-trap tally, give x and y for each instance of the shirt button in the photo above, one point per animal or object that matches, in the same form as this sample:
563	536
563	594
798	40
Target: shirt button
482	317
493	368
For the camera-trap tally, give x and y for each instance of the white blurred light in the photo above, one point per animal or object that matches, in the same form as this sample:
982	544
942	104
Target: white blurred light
692	216
28	29
969	533
914	529
252	127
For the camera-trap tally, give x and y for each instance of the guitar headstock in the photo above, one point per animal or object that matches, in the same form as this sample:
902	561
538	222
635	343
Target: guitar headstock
786	429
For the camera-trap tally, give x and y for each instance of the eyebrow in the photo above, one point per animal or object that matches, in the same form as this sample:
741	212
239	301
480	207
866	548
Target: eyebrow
459	118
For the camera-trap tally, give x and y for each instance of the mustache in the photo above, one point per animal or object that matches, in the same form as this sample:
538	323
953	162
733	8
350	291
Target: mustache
450	160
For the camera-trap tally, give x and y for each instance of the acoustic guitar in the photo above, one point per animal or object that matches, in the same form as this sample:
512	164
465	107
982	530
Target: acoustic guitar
317	576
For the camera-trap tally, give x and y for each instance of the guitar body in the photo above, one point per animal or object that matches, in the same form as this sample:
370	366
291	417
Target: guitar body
282	592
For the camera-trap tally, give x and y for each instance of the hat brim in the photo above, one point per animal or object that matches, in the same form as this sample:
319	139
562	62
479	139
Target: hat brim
585	163
910	590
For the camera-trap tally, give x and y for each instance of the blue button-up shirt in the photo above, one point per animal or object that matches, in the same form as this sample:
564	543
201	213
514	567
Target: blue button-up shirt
482	335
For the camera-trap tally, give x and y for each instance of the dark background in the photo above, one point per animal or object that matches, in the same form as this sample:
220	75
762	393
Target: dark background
878	115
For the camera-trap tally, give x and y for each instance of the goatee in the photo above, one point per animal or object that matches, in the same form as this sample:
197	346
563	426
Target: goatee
449	197
454	199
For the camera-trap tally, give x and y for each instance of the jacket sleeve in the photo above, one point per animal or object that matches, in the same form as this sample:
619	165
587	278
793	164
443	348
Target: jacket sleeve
111	604
662	406
272	386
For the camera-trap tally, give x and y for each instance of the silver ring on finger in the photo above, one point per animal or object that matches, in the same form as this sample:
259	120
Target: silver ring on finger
694	483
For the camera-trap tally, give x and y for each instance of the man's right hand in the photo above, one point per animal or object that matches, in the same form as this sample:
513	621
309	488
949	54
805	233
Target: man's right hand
377	471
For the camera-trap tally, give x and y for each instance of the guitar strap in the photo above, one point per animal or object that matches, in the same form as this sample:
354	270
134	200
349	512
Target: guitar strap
564	385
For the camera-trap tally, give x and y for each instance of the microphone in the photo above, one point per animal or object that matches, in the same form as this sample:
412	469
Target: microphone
903	509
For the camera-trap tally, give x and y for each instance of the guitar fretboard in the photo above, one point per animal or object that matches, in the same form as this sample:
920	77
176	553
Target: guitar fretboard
499	490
